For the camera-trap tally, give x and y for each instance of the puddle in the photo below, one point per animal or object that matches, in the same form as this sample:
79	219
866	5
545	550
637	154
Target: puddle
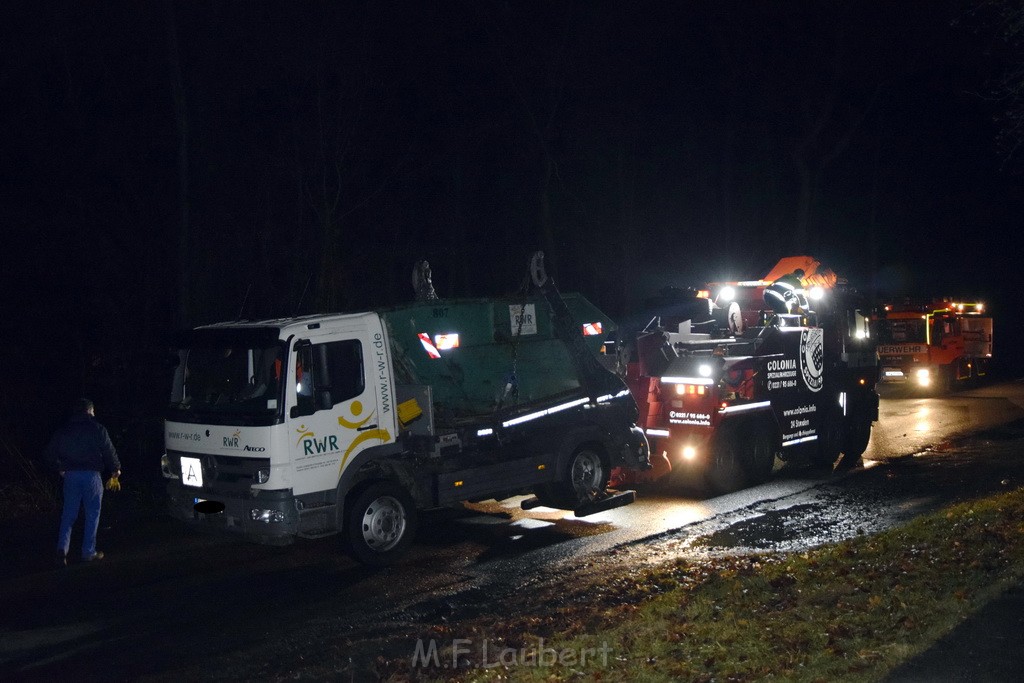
772	530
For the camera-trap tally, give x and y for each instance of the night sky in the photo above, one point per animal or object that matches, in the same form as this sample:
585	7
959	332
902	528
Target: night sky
169	164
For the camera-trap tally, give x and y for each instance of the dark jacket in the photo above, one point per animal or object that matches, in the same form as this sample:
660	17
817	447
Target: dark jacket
82	444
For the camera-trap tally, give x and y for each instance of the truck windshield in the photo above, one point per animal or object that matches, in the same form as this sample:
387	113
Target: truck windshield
901	331
225	380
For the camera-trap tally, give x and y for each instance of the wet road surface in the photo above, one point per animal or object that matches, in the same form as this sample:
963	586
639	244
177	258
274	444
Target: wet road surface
170	603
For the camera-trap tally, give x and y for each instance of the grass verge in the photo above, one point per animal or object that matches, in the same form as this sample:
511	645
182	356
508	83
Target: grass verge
851	611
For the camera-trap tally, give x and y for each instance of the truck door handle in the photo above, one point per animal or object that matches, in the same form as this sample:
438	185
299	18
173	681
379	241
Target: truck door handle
363	429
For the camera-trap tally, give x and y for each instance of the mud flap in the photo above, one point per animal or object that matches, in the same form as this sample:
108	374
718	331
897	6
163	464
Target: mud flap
608	502
660	467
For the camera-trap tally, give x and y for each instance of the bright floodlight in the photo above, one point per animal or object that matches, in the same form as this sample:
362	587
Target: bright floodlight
727	294
816	293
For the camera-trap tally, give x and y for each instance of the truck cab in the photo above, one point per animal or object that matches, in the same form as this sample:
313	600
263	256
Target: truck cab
259	413
933	345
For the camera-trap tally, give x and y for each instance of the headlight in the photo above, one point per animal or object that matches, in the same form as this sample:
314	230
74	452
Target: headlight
689	452
166	468
266	516
924	378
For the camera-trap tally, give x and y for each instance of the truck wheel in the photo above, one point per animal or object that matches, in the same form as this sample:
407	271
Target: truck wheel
725	473
945	380
380	524
585	479
829	443
758	454
856	436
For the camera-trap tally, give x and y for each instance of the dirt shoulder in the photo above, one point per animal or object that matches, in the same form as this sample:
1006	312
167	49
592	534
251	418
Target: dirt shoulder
855	610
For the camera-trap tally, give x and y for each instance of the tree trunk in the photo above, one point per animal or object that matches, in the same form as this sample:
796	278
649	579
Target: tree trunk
184	279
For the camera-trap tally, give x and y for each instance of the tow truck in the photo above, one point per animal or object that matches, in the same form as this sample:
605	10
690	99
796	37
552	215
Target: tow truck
936	344
734	385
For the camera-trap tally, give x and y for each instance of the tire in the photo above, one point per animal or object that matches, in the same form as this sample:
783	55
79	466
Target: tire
945	381
583	480
725	472
829	443
741	456
757	453
856	436
380	524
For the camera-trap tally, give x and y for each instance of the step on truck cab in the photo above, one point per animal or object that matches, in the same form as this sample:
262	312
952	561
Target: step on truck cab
350	423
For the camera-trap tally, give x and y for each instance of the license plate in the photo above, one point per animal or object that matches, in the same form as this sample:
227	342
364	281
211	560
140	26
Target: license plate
191	472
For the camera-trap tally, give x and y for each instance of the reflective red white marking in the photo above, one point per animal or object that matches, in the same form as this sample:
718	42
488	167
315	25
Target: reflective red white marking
428	345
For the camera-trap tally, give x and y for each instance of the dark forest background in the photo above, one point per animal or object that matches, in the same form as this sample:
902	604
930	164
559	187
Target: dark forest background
168	164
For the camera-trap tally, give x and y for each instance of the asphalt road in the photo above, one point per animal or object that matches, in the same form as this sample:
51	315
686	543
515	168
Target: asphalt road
169	603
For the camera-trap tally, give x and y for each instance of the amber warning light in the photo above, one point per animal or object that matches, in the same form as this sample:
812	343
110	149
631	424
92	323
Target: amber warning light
443	342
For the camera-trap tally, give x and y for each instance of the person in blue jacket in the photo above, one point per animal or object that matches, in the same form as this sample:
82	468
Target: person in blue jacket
81	451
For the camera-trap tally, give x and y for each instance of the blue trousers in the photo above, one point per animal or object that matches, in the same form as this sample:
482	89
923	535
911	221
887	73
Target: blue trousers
82	488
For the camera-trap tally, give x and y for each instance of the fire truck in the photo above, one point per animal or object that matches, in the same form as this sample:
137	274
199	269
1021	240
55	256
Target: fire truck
724	385
936	344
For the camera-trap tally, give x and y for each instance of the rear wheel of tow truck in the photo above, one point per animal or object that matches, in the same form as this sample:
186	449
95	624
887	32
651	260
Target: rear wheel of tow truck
584	480
856	435
725	472
380	523
829	443
741	456
758	453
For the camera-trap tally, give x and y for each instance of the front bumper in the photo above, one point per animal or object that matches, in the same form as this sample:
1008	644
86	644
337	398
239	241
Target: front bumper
915	375
263	516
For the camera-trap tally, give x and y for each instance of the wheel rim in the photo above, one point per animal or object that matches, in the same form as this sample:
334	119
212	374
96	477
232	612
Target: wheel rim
383	523
587	474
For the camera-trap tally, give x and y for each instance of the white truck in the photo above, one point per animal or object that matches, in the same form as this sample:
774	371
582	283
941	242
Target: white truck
350	423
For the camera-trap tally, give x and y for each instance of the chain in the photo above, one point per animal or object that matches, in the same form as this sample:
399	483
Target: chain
512	385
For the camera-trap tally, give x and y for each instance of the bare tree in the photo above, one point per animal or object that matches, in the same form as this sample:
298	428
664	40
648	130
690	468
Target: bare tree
553	71
828	120
184	282
1007	19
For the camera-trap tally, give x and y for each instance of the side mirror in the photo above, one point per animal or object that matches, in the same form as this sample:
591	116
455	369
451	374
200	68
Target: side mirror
323	399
